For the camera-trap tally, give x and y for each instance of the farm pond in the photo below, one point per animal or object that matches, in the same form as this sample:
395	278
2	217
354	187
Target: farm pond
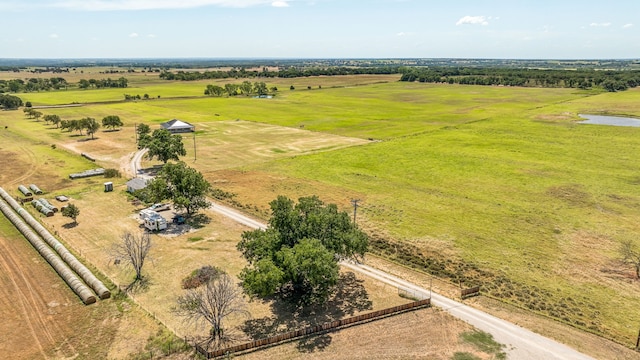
609	120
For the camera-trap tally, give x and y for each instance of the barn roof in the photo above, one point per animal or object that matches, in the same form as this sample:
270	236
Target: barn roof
176	124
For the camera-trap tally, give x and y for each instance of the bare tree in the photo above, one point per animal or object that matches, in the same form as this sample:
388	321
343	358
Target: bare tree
133	250
211	304
631	254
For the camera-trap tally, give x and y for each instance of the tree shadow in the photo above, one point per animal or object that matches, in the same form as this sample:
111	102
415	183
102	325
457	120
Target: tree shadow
138	286
348	298
70	225
198	221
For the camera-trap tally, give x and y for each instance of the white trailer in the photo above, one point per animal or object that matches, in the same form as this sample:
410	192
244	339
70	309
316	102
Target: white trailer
152	220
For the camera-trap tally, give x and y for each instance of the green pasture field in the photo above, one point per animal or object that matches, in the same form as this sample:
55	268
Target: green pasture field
501	178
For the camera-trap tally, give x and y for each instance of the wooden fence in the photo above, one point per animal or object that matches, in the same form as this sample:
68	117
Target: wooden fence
473	291
354	320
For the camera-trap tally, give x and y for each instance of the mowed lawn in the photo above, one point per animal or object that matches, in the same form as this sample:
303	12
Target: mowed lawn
499	177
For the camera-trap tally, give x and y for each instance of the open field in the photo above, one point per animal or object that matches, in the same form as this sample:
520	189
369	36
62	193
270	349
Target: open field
499	178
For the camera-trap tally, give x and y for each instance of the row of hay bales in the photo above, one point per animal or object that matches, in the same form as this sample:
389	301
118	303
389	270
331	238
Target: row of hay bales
44	207
64	262
33	189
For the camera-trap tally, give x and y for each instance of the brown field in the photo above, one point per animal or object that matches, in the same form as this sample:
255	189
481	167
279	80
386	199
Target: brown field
43	319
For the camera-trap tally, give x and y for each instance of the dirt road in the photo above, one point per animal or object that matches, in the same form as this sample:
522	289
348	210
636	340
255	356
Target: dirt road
521	343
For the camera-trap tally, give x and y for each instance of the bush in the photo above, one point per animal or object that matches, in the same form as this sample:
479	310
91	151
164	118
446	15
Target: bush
201	276
112	173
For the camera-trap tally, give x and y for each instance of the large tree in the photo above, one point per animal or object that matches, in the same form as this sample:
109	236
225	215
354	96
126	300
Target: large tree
91	125
185	186
211	304
298	254
165	146
133	250
143	132
112	121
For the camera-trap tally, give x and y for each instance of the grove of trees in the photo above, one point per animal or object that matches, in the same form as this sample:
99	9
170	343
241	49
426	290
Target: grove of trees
297	256
246	88
10	101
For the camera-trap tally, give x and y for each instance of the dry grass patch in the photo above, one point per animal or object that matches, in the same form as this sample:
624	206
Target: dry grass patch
421	334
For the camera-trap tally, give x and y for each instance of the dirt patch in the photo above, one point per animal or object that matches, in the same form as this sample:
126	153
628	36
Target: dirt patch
572	194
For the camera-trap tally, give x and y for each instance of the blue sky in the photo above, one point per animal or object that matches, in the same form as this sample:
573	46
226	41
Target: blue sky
521	29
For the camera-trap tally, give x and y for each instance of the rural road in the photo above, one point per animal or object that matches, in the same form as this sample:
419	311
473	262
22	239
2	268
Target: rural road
521	344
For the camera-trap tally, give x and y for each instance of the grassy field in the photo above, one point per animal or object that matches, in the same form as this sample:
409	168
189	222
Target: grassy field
490	185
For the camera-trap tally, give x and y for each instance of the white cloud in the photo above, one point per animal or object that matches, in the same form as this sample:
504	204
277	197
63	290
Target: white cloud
626	26
151	35
133	35
115	5
54	36
603	24
403	33
280	4
473	20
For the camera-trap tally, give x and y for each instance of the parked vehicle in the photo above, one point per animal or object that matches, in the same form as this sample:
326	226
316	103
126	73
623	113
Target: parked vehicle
159	207
178	219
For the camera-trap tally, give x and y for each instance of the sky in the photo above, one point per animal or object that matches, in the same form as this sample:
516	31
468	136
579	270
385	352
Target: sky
500	29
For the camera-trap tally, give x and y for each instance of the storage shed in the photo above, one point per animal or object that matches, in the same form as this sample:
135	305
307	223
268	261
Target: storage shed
136	184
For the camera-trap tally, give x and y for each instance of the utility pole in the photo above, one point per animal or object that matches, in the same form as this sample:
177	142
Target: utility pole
355	208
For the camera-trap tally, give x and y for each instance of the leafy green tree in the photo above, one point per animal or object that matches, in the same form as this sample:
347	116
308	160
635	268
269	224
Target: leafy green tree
54	119
112	121
246	87
231	89
185	186
165	146
260	88
297	255
214	90
91	125
71	211
143	131
36	114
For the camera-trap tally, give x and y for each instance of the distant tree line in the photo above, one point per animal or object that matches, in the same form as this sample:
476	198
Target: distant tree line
32	84
289	72
57	83
583	78
103	83
246	88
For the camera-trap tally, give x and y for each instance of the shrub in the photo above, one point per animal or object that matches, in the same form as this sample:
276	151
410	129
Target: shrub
201	276
112	173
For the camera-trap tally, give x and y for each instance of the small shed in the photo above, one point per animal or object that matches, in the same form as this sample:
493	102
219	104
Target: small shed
136	184
176	126
108	186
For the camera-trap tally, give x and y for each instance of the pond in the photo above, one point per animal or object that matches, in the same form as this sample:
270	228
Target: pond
608	120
